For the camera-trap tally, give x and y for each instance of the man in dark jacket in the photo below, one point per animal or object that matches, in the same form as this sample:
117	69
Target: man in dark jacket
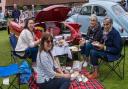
15	13
109	48
94	34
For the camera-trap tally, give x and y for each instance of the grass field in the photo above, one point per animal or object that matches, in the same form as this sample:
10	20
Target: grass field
112	82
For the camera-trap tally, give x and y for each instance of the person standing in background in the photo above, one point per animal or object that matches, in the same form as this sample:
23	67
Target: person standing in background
123	4
25	13
6	14
126	5
1	15
15	13
33	11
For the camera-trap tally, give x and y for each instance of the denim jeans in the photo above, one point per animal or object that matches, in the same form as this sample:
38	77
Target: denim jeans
32	53
95	55
56	83
86	49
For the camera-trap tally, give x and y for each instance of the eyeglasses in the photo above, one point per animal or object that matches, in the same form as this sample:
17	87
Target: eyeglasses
92	20
49	41
106	24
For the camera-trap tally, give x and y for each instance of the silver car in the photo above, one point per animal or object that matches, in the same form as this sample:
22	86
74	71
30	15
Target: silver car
3	21
102	9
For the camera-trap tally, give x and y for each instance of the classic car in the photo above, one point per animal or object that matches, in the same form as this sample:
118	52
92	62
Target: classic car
101	9
51	19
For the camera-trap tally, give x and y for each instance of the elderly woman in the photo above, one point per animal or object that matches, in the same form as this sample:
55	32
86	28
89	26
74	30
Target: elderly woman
94	34
49	74
26	41
109	47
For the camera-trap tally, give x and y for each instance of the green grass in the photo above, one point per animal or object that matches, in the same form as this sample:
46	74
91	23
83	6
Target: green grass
4	48
5	57
112	82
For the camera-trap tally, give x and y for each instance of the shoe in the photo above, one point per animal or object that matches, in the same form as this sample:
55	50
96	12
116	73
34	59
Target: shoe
84	64
94	75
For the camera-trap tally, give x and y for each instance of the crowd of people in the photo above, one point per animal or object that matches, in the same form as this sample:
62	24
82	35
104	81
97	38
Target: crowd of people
100	42
17	14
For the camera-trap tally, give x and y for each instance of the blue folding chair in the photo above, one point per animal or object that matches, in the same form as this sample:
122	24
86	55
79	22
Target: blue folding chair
22	73
7	71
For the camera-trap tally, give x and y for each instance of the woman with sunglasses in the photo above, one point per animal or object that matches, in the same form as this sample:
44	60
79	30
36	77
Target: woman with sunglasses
26	41
49	75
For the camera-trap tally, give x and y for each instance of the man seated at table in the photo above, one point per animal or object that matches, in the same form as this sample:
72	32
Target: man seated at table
94	34
109	47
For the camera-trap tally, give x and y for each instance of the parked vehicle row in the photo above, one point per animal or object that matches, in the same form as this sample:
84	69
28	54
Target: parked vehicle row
59	13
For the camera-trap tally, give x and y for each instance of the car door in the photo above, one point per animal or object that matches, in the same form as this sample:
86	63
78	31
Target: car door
83	18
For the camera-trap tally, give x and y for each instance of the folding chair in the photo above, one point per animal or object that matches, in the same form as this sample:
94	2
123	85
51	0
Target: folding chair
116	66
7	71
14	54
62	59
21	73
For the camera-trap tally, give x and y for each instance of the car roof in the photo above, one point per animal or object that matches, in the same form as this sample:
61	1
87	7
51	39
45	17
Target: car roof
102	3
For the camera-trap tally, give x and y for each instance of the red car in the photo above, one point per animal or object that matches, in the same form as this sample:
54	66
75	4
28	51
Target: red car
51	19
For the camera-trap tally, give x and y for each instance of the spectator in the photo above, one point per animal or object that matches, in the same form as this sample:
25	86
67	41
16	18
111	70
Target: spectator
6	14
109	47
50	76
25	14
15	13
1	15
94	34
33	11
26	41
123	4
127	4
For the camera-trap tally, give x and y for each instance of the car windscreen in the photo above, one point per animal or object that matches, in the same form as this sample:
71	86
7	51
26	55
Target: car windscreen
118	10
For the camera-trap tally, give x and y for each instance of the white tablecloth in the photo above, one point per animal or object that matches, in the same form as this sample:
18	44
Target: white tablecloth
61	50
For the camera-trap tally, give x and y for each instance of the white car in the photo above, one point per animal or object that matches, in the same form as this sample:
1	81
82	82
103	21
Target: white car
102	9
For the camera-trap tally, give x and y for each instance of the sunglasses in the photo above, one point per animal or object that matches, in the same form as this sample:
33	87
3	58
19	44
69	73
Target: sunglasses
49	41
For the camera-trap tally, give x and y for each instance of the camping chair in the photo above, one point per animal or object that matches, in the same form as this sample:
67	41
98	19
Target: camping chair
14	54
116	66
7	71
63	59
21	72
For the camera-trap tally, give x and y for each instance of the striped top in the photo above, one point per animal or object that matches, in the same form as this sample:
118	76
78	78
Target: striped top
45	67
